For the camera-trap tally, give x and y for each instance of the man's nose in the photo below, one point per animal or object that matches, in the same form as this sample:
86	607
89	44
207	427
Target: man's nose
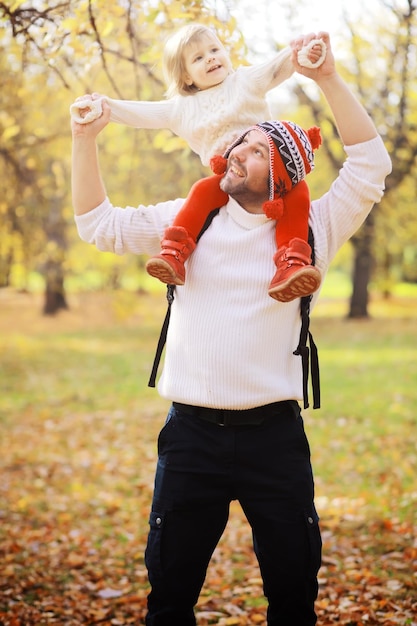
239	152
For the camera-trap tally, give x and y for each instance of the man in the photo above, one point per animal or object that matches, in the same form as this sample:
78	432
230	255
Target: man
235	429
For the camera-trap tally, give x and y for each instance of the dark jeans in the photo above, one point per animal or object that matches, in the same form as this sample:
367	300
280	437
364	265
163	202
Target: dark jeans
201	468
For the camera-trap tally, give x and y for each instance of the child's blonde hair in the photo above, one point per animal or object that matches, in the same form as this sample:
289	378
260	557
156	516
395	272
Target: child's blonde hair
173	58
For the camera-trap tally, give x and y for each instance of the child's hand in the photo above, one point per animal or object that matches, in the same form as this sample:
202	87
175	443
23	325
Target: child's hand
84	111
315	53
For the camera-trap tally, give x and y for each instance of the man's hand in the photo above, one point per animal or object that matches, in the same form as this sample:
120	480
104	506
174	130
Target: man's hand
327	68
93	128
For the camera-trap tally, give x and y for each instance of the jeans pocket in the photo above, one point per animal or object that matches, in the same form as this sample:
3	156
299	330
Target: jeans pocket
165	428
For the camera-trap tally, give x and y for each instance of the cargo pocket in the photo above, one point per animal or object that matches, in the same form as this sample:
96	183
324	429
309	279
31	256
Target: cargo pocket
153	552
314	538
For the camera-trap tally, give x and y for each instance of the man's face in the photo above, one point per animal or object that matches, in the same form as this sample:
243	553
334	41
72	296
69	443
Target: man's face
247	174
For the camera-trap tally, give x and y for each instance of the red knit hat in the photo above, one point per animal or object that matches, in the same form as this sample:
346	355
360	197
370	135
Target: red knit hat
291	157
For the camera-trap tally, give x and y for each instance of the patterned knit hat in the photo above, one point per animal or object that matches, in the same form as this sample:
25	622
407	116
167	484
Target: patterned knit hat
291	158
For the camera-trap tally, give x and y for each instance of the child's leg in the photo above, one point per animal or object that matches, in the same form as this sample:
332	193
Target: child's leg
180	239
295	276
294	219
204	196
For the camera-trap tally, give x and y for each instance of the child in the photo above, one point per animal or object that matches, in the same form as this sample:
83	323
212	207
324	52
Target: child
209	105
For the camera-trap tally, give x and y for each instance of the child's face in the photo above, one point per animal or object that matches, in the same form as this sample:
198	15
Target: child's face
206	62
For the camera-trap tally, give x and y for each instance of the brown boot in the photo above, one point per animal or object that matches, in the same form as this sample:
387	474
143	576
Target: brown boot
176	247
295	276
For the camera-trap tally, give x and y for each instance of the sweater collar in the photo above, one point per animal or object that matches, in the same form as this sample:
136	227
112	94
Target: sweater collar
243	218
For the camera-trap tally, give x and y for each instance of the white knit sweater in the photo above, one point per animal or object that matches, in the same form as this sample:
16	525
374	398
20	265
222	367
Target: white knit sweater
229	344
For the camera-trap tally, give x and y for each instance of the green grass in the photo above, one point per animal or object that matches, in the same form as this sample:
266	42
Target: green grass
95	360
363	437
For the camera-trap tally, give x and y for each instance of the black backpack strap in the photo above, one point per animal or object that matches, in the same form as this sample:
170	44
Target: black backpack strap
170	300
162	336
309	356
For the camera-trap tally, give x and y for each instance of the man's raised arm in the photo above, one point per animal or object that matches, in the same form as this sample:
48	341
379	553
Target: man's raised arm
88	189
353	122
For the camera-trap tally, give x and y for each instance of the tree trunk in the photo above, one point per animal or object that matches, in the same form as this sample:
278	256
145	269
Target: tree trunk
55	299
53	269
5	269
362	270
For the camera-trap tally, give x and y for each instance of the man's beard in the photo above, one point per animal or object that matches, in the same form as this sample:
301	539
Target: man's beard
240	192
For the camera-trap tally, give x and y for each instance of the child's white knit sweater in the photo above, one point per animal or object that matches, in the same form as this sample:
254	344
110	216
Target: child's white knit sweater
229	344
210	120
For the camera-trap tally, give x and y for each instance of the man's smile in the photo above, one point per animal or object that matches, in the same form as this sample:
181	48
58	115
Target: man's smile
235	171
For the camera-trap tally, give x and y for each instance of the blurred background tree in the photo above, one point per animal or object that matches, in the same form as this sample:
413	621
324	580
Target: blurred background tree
55	51
381	64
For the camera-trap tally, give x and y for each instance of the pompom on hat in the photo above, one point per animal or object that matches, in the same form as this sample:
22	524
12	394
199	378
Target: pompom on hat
291	158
